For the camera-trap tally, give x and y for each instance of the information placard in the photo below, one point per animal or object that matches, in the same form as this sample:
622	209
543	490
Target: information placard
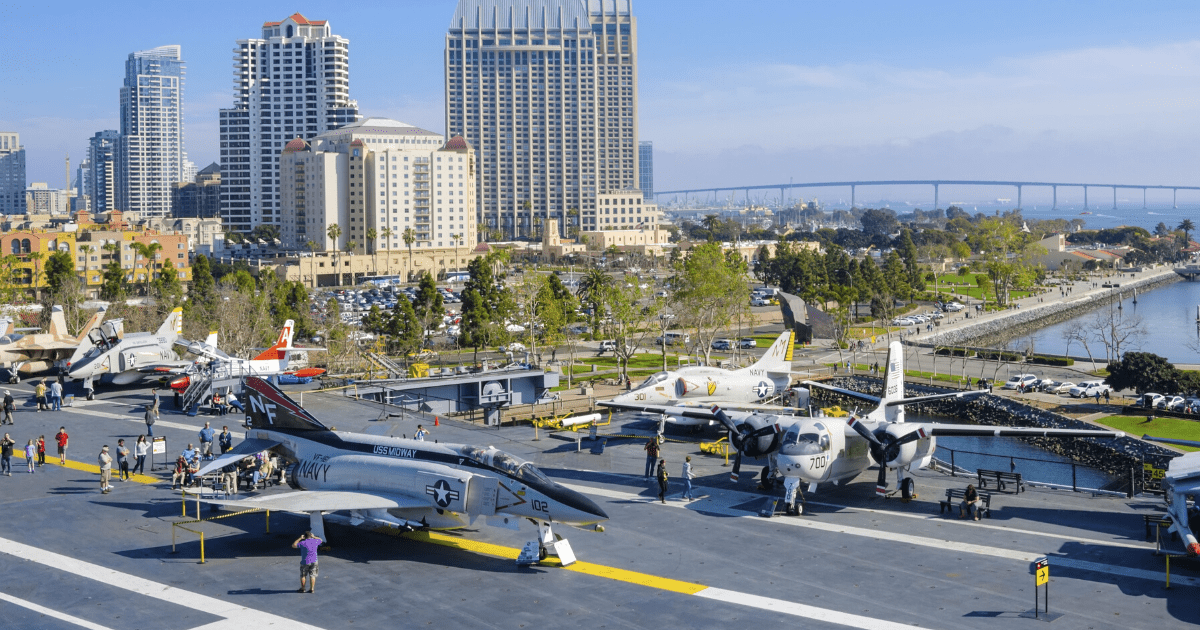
160	445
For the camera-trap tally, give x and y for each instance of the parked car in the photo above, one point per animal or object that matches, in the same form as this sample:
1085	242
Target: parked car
1150	400
722	344
515	346
608	346
1024	381
1173	403
1059	388
760	302
748	342
1089	389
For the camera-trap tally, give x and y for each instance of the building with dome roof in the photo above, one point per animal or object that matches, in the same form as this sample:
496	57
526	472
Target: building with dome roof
383	175
293	82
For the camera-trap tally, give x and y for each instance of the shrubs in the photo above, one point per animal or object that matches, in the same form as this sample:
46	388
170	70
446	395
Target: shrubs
954	352
1001	356
1042	359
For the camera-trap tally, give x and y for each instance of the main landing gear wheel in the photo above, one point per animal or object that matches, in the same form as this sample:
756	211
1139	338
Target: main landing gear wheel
908	489
765	479
14	379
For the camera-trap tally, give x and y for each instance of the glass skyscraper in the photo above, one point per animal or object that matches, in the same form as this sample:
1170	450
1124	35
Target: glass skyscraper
646	169
12	173
150	152
545	91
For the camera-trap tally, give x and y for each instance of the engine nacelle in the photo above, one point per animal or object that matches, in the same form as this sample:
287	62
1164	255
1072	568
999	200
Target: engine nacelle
916	453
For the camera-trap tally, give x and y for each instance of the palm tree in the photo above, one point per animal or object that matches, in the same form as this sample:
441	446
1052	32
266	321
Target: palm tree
456	239
387	233
334	231
410	237
36	257
350	247
592	288
312	246
87	250
1187	226
149	252
373	243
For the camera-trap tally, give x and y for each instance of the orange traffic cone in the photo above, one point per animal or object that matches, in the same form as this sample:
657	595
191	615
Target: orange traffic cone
435	421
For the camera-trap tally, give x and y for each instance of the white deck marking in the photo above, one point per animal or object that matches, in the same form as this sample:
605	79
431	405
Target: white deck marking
801	610
722	505
50	612
140	419
246	617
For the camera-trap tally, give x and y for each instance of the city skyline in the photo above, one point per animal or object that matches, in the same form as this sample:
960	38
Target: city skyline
728	94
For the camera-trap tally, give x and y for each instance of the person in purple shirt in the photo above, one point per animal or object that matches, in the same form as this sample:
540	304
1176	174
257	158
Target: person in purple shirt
307	544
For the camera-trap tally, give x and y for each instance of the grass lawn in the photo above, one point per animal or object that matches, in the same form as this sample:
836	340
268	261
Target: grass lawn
945	378
637	376
646	360
955	285
1176	428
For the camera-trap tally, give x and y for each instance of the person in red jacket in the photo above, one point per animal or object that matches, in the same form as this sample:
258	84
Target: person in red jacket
62	436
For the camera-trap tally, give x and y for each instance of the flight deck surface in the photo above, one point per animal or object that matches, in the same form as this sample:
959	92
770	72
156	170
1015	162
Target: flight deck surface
77	558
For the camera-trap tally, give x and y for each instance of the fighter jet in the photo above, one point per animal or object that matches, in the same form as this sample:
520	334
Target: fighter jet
1181	483
705	386
401	483
114	356
805	450
272	361
25	353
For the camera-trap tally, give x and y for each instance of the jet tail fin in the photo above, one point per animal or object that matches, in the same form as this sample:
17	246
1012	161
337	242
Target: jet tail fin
893	383
778	357
173	324
270	408
58	322
91	325
282	344
211	340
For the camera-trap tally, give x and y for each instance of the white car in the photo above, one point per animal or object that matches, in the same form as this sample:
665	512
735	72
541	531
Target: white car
1024	381
515	347
1087	389
954	307
1172	403
608	346
760	302
1150	400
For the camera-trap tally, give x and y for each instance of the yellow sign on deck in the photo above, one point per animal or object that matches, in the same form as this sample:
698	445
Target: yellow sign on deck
1043	575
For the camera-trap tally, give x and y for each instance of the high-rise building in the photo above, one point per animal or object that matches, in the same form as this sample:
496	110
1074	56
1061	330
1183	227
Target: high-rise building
292	82
201	198
98	169
646	169
546	93
40	198
150	152
383	175
12	173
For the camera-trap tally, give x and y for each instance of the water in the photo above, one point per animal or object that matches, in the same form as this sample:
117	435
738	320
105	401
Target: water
1127	213
1003	449
1168	315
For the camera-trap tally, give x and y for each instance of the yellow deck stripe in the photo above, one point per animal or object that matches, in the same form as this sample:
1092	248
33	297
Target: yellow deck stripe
598	570
95	469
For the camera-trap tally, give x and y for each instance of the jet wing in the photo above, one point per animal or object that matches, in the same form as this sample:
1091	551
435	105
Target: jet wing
171	367
933	397
322	501
234	455
978	430
687	412
846	392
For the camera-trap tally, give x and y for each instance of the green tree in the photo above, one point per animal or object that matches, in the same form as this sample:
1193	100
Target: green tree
710	293
1187	227
487	306
334	232
203	288
373	245
410	237
113	288
908	253
404	330
1143	372
60	267
265	232
593	290
36	258
167	285
149	252
428	306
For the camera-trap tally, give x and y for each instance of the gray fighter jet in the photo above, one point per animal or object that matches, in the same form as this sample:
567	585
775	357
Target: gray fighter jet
401	483
114	356
1181	484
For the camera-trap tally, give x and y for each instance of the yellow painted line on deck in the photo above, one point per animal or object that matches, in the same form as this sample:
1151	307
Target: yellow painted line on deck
95	470
587	568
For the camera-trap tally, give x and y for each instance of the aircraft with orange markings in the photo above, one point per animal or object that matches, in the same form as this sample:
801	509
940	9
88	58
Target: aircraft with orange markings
273	361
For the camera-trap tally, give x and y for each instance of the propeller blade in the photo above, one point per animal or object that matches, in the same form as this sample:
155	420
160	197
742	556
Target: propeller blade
735	436
737	466
862	430
881	482
911	437
764	431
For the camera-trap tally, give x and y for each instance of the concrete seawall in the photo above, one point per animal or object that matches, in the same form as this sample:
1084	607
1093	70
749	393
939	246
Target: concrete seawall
1011	324
1116	457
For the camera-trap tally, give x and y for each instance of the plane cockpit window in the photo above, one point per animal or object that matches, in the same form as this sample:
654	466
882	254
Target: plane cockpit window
7	339
654	379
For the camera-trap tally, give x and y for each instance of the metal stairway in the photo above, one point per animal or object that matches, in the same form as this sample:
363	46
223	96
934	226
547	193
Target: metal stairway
392	369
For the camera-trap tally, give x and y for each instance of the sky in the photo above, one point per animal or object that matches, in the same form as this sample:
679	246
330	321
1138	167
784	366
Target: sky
731	93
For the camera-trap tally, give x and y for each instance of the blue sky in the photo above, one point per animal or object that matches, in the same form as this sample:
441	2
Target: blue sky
731	92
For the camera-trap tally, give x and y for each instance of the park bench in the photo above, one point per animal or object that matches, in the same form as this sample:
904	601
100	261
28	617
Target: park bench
1001	478
954	497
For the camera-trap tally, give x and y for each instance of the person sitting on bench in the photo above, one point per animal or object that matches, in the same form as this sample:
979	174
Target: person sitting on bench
970	503
180	471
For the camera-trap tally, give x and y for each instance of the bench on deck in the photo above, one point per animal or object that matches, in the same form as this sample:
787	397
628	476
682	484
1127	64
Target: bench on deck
1156	520
954	497
1001	478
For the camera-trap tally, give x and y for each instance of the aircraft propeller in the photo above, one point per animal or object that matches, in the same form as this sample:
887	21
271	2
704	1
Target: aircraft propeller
747	438
885	447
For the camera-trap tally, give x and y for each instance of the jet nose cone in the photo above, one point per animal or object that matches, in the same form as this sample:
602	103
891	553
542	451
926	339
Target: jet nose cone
588	506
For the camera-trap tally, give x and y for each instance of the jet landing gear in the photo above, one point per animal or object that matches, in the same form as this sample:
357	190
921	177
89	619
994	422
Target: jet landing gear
547	544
